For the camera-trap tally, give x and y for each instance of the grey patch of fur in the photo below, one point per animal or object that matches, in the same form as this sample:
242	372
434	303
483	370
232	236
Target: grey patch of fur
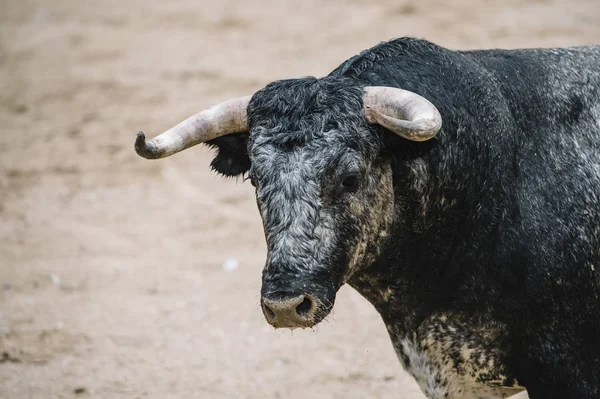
305	222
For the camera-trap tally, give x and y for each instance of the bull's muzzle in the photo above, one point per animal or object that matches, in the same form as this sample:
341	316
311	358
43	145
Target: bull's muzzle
290	311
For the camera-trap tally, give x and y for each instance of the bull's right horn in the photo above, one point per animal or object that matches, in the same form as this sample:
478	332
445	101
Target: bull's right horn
220	120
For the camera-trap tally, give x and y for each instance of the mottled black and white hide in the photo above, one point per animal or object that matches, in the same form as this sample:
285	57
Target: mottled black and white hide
480	248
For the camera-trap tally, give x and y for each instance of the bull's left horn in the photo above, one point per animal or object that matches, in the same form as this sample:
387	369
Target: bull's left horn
403	112
220	120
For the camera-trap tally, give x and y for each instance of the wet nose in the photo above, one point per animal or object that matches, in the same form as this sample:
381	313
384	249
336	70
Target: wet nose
289	311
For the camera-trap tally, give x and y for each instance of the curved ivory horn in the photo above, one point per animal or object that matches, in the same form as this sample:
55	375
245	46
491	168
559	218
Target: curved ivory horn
220	120
403	112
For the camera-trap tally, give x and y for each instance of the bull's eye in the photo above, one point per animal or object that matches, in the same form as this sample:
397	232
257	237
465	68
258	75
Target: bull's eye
349	183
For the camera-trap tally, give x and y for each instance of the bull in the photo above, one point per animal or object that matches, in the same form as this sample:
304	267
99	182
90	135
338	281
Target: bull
457	191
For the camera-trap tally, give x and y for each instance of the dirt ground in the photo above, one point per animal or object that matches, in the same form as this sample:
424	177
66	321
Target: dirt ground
111	277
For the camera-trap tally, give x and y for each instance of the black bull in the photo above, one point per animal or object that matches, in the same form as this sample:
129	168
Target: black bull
480	247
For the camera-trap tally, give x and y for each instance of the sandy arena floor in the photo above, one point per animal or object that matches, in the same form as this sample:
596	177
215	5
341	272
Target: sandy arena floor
111	278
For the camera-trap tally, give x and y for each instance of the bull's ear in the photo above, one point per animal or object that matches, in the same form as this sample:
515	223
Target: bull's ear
232	154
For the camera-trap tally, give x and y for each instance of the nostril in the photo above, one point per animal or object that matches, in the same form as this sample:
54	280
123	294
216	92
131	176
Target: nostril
268	311
304	308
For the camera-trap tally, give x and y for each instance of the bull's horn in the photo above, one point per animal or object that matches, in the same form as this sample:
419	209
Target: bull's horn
220	120
403	112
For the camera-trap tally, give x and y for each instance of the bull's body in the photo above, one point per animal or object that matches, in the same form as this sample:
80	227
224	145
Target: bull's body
492	274
480	248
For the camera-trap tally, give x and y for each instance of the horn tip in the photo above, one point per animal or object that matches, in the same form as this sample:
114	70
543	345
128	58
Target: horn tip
143	148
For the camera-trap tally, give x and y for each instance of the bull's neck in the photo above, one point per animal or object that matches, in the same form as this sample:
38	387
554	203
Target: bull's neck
395	307
430	252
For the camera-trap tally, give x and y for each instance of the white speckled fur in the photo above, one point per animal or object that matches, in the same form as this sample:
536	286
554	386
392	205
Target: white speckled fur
427	356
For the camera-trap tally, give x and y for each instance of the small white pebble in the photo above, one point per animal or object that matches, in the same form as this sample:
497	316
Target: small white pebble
230	265
55	279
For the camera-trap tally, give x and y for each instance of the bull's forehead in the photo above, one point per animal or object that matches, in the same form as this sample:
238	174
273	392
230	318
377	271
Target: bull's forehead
302	126
303	153
303	159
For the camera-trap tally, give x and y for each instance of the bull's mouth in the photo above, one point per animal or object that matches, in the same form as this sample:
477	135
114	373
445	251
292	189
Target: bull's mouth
285	310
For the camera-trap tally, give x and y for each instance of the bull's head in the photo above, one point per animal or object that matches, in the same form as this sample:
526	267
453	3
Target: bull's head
312	149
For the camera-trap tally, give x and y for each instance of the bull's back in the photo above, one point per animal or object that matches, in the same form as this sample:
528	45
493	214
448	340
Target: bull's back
548	88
